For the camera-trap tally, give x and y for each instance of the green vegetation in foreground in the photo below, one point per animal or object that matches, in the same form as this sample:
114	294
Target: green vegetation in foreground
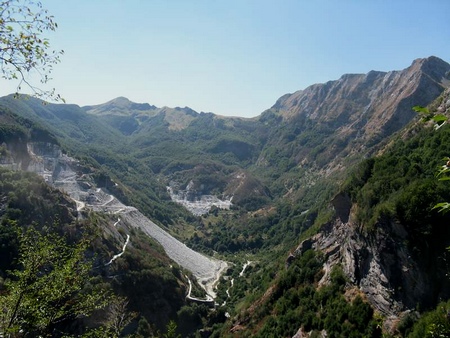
295	302
433	324
50	288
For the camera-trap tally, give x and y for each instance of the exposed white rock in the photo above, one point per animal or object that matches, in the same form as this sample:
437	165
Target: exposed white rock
377	262
198	205
120	253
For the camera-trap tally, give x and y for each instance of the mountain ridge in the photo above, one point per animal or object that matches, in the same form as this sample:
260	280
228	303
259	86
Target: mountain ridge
124	102
356	112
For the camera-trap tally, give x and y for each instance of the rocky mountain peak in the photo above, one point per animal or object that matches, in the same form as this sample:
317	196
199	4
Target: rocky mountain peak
120	101
431	62
435	68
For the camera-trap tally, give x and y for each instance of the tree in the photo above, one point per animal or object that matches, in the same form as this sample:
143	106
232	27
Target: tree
444	176
118	316
52	287
23	48
171	330
438	119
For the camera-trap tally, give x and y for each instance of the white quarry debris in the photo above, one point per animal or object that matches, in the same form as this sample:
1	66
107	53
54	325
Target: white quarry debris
207	270
60	171
199	205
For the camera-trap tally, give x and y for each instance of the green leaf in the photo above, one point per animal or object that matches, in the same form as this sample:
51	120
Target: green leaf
439	118
443	207
420	109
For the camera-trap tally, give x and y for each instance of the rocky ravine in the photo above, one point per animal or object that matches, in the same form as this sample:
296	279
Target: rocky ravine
47	160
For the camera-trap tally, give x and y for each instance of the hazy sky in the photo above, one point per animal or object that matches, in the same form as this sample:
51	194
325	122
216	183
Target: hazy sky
233	57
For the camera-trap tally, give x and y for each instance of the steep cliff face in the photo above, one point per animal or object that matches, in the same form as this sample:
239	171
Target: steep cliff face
38	157
326	123
380	264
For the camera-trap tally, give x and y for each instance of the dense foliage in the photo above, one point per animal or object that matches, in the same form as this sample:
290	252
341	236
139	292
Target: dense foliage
433	324
402	184
294	302
51	288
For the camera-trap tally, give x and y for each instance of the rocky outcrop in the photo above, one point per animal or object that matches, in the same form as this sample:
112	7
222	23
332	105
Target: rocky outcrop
370	262
379	262
302	334
197	204
326	124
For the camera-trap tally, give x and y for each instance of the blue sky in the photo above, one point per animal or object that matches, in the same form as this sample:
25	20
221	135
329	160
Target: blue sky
233	57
